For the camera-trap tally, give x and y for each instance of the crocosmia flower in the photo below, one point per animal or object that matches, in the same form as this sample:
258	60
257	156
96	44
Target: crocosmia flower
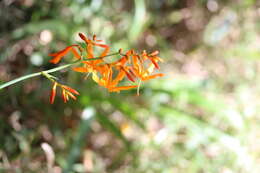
129	66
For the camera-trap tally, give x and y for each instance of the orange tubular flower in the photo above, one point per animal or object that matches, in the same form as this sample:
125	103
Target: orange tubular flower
152	57
130	76
117	89
57	56
65	90
131	66
69	89
53	93
152	76
68	92
91	44
81	69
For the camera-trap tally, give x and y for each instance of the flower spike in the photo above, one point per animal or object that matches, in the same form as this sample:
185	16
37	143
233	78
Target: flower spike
130	65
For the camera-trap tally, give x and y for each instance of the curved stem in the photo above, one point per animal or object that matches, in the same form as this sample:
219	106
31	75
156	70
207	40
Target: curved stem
33	75
19	79
48	71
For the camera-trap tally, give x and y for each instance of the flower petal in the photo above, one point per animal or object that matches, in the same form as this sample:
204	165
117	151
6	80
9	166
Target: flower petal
57	56
154	63
72	96
120	76
53	93
80	69
95	77
90	52
154	53
129	76
82	36
64	97
70	89
115	89
75	53
152	76
106	47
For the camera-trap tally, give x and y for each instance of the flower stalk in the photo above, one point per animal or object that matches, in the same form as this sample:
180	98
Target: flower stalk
46	72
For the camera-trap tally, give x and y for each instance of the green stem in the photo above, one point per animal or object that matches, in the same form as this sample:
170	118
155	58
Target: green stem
48	71
34	75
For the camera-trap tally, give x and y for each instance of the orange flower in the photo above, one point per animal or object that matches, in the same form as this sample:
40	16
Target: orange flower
152	57
130	75
152	76
66	92
57	56
131	66
90	46
80	69
53	93
116	89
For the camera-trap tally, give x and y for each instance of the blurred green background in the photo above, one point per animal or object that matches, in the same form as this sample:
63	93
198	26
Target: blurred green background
202	117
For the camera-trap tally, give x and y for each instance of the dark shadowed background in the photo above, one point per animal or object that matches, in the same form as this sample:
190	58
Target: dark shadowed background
201	117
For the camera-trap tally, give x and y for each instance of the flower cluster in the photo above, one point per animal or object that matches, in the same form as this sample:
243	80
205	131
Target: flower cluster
66	91
129	65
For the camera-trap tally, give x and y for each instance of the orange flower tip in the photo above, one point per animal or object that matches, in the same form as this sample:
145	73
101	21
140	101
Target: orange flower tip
118	89
53	93
156	66
130	77
80	69
64	96
53	61
52	97
72	96
95	38
152	76
103	46
82	36
154	53
132	52
70	89
155	63
159	75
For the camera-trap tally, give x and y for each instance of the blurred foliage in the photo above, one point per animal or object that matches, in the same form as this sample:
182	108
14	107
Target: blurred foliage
201	117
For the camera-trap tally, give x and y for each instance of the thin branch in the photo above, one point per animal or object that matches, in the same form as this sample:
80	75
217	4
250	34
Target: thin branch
49	71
